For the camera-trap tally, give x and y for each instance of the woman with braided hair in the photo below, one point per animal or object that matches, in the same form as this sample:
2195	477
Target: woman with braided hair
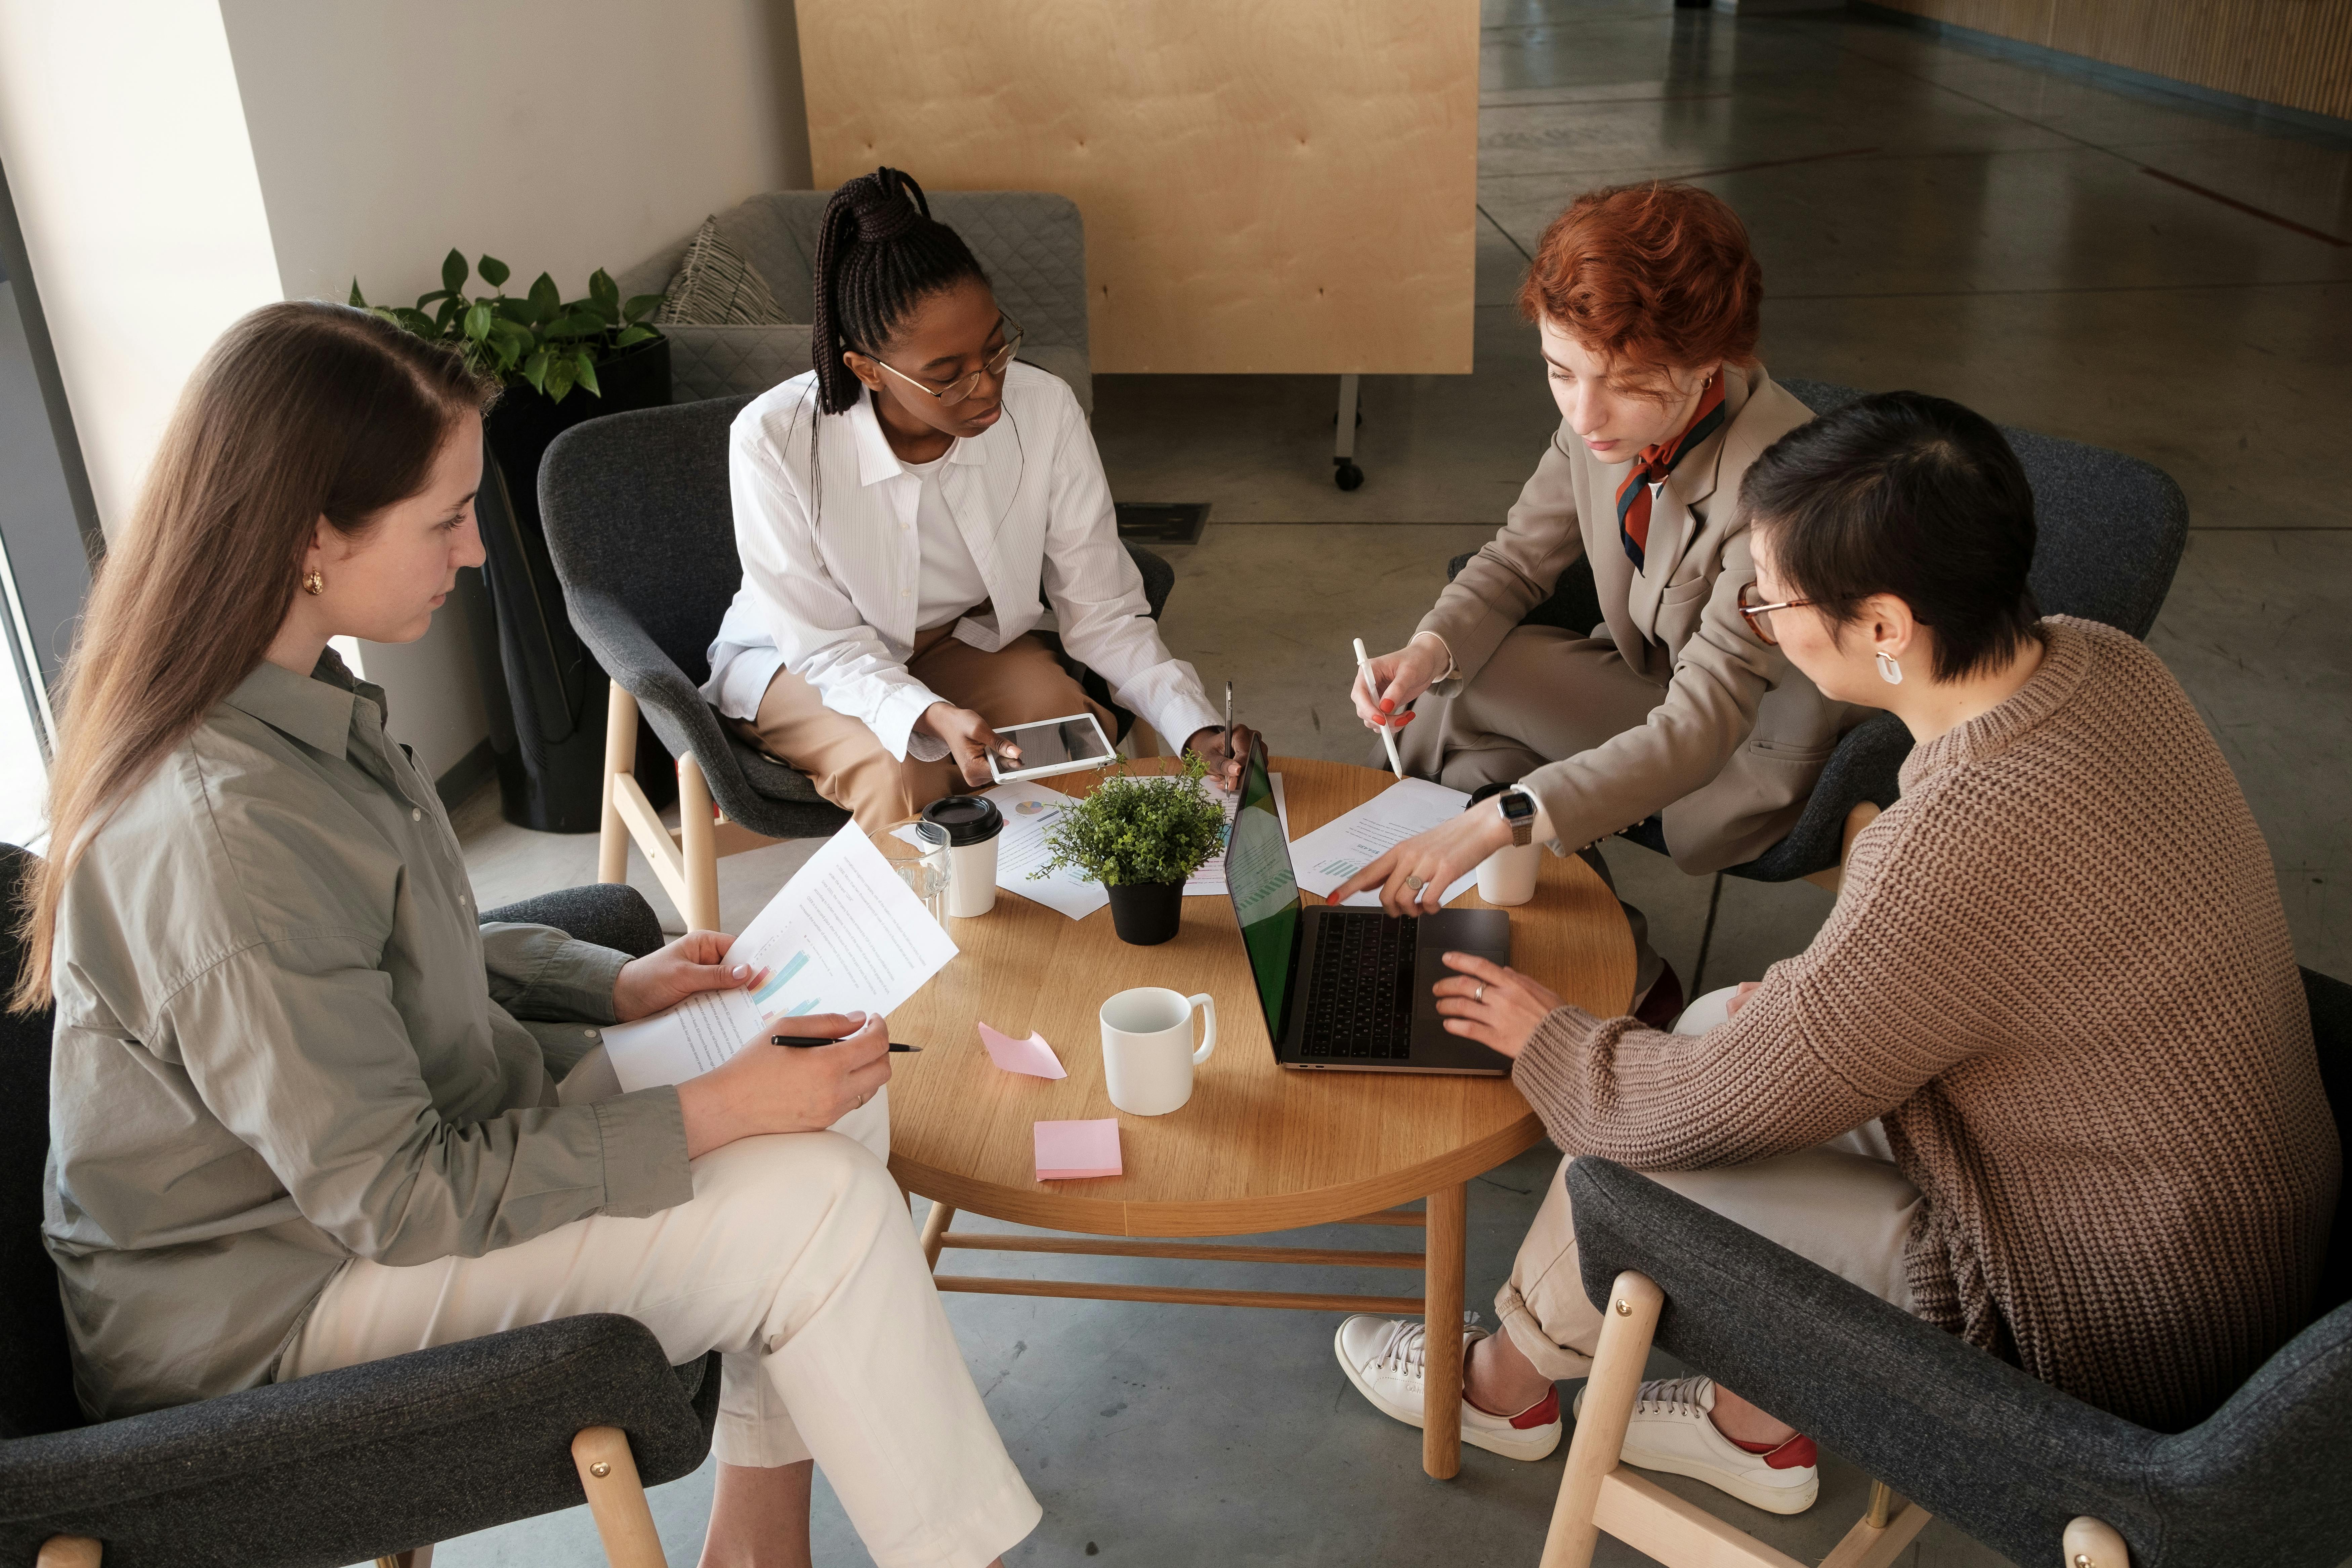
899	510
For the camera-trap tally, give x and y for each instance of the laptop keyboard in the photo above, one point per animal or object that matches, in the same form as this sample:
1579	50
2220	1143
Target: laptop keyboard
1360	995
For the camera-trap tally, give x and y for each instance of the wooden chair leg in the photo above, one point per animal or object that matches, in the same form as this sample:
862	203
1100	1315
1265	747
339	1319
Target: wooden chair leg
935	1231
617	1497
620	757
1441	1414
2087	1543
69	1552
698	845
1626	1327
414	1557
1881	1535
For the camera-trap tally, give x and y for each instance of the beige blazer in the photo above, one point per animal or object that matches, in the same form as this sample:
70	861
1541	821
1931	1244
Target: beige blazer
1731	752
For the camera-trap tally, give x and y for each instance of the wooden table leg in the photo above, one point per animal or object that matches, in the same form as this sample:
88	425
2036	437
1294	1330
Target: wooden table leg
935	1228
1441	1431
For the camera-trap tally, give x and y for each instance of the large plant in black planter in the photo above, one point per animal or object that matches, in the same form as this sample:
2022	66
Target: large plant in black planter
562	361
1141	838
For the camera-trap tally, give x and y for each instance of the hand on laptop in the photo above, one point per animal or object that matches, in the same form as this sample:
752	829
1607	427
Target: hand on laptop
1224	766
1412	877
1498	1007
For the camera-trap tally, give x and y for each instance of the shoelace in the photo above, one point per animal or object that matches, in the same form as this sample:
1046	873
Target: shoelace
1406	1346
1672	1396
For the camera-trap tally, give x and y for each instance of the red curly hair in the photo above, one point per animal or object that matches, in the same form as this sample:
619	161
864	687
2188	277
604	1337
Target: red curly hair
1653	277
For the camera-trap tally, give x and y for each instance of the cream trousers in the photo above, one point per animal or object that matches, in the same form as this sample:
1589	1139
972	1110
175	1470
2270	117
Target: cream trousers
1842	1203
795	1259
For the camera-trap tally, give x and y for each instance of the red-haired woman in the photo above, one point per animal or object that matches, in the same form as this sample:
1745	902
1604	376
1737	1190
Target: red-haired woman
1646	298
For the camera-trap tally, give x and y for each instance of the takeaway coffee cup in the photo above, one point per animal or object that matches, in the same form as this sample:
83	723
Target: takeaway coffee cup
973	825
1506	876
1148	1055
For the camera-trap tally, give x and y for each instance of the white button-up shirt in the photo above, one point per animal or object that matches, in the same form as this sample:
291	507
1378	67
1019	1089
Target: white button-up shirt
830	590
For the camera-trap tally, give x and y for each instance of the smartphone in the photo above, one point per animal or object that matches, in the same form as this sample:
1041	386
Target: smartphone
1052	746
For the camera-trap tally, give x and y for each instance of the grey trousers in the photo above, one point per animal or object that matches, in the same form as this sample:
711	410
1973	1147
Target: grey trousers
1545	695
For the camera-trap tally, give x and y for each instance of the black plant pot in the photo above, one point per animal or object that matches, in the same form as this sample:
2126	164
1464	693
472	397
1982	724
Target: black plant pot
1146	914
545	690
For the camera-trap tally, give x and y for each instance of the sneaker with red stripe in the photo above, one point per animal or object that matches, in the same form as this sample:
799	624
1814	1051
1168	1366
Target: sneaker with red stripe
1674	1430
1384	1358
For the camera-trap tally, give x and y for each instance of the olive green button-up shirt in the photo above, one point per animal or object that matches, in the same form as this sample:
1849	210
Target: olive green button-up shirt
283	1042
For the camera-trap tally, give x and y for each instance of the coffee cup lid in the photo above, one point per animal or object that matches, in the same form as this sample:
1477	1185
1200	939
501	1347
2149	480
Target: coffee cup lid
968	818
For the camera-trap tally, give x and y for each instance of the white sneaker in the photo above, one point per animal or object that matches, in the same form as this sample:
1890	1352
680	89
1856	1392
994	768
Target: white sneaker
1672	1430
1384	1358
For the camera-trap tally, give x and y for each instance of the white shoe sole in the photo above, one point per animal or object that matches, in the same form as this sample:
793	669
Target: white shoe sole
1771	1499
1536	1445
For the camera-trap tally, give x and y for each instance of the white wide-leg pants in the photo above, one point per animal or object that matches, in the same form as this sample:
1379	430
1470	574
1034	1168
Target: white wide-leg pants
796	1261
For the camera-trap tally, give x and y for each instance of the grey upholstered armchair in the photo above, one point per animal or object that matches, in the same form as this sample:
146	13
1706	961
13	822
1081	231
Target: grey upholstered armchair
2112	530
370	1461
1032	244
2029	1471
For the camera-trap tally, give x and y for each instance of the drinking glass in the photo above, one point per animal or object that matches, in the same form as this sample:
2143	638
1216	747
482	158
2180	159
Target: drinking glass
918	851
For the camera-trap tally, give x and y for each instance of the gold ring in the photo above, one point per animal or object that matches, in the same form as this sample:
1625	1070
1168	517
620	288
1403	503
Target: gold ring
1479	995
1415	883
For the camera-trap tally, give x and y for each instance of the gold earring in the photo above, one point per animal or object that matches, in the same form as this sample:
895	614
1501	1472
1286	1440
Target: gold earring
314	581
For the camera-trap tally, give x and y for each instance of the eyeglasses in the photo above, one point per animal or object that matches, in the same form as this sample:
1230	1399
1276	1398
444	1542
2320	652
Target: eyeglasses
1760	615
956	392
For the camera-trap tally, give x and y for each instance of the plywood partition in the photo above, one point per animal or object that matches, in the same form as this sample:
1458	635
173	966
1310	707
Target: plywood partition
1268	187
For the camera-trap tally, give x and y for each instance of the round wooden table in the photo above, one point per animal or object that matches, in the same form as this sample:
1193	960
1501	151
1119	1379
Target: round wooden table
1258	1147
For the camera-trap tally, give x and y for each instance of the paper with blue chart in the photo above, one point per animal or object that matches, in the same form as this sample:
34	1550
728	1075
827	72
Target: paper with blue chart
843	935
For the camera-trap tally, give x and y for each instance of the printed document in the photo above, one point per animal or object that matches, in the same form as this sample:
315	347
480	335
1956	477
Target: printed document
1347	844
1029	808
845	936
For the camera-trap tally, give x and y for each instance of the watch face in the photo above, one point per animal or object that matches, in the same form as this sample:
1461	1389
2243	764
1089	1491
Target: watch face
1517	807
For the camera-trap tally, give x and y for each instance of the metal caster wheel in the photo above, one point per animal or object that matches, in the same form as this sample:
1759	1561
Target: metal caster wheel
1346	475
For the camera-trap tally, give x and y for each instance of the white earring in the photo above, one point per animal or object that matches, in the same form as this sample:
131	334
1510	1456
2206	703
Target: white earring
1888	670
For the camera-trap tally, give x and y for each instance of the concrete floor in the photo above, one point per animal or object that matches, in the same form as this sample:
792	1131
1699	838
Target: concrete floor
1927	216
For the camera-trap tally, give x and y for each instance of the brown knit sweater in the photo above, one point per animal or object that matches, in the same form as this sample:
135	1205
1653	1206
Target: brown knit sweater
2061	973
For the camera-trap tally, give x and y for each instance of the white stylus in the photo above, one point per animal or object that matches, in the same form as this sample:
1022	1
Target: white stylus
1388	738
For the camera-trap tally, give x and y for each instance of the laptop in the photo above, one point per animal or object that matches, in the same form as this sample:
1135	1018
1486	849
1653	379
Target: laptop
1348	990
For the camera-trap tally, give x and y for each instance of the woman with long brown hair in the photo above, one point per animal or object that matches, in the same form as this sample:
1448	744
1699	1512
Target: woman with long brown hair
297	1122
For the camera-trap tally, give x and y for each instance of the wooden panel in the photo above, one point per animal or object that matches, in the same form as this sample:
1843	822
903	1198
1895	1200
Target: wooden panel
1179	1296
2297	53
1259	1147
1284	188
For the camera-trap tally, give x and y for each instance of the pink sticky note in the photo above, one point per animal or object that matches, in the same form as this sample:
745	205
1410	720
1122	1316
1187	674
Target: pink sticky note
1032	1055
1073	1151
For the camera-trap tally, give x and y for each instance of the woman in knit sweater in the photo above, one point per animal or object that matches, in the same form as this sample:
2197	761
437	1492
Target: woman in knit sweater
2052	1030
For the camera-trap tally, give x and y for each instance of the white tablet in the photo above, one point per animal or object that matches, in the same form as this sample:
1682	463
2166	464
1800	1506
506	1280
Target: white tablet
1052	746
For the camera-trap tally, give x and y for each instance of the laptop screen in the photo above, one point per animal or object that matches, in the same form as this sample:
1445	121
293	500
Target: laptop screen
1265	893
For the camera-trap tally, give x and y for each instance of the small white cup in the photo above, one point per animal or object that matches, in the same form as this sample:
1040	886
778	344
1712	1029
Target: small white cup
1507	877
1148	1055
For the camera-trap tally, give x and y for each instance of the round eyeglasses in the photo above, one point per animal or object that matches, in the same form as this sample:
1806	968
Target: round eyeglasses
958	390
1760	615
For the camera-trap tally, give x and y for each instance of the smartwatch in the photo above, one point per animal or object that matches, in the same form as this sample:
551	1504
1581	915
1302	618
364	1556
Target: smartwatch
1518	809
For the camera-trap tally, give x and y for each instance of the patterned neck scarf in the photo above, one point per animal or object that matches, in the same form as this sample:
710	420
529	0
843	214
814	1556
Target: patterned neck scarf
1651	466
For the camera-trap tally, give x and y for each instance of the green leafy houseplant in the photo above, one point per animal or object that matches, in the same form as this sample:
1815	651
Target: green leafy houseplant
543	339
1134	831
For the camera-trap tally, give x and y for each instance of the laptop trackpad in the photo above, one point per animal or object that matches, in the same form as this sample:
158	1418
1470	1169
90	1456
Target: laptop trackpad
1484	932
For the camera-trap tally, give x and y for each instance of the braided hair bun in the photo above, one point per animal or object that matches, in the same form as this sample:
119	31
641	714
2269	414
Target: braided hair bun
879	254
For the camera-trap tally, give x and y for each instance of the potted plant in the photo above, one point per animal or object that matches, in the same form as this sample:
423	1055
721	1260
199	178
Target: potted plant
549	732
1141	838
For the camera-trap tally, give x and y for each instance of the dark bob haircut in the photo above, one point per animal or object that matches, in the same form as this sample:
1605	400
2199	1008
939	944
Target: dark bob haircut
1913	496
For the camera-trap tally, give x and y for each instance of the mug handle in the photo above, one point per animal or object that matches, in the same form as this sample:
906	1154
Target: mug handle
1207	1006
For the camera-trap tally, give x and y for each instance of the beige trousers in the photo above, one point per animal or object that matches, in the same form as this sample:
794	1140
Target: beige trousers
1843	1205
796	1261
1020	683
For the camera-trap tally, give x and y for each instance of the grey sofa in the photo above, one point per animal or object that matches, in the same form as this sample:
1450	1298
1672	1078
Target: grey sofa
367	1461
1033	244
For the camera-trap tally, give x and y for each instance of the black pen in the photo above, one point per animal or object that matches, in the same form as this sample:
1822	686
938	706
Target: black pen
804	1041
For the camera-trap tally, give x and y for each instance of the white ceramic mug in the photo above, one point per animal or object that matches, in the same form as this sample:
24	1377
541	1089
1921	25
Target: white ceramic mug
1508	875
1148	1055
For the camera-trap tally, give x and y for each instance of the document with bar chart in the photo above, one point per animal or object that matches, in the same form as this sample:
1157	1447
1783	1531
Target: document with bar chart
845	936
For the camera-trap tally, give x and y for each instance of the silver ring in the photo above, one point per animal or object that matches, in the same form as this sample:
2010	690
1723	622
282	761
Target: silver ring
1479	995
1415	883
